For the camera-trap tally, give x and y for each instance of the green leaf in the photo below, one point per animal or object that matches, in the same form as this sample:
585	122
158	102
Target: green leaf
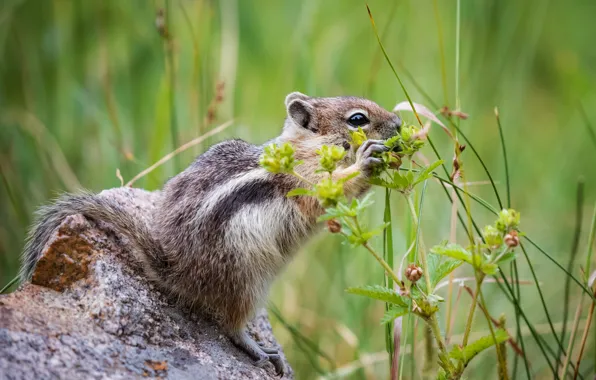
454	251
394	312
489	268
439	267
377	181
471	350
380	293
299	191
509	256
428	172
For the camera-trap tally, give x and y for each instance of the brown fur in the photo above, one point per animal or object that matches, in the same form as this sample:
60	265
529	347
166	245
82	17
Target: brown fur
224	228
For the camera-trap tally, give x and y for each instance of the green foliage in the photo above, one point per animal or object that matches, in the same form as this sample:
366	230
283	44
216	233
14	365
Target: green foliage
279	159
508	219
462	356
405	182
394	312
329	157
380	293
440	267
358	137
410	140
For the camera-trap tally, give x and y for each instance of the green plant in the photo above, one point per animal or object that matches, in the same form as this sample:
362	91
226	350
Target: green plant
411	295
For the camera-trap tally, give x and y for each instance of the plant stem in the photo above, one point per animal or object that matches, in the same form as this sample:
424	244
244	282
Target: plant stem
383	263
422	251
11	283
434	326
300	177
578	313
468	330
590	251
584	338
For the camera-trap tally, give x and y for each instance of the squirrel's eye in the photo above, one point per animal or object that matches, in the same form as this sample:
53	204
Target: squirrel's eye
358	119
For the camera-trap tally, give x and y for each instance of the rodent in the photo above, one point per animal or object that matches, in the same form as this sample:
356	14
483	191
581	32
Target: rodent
223	228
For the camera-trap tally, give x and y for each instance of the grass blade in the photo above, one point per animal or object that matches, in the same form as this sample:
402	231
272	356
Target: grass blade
372	21
11	283
574	248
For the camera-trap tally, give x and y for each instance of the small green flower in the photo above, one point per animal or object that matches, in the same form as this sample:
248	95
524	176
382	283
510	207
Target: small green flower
358	137
407	132
508	219
409	141
278	159
492	236
329	193
330	156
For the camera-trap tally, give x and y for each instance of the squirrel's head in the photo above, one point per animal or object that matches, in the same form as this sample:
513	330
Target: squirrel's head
330	120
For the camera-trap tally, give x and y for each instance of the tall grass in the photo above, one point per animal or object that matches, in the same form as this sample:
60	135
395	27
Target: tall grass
97	79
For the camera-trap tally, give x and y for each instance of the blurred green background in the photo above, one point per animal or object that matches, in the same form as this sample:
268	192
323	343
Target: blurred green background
87	88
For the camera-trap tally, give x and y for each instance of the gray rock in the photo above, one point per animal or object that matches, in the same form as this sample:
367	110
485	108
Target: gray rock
88	313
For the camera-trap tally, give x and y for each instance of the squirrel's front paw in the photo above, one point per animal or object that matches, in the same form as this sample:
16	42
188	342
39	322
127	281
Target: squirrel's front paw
365	156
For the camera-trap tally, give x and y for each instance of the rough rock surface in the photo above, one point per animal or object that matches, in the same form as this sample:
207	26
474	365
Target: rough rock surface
89	313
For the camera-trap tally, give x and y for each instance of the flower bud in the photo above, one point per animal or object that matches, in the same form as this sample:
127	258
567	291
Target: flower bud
508	219
278	159
413	272
333	226
330	156
492	236
512	239
329	192
358	137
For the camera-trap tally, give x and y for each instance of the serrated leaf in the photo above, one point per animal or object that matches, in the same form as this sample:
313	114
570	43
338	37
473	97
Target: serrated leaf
366	201
394	312
299	191
427	172
476	347
454	251
439	267
380	293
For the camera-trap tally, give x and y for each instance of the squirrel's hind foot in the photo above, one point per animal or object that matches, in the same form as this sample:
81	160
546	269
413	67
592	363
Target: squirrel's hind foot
256	351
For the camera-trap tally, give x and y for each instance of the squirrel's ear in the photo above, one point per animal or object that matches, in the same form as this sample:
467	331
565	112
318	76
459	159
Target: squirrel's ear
295	95
301	113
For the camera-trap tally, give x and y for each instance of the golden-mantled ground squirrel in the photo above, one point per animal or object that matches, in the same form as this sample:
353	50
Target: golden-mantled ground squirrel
224	228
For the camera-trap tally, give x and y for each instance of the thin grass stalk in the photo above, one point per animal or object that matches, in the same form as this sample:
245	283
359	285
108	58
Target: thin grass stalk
457	52
452	239
589	249
301	338
501	356
195	101
372	21
388	256
179	150
584	338
511	296
505	161
172	79
588	124
513	266
574	249
578	312
10	283
441	51
548	256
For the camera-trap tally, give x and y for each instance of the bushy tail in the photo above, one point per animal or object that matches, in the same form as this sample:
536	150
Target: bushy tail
92	206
